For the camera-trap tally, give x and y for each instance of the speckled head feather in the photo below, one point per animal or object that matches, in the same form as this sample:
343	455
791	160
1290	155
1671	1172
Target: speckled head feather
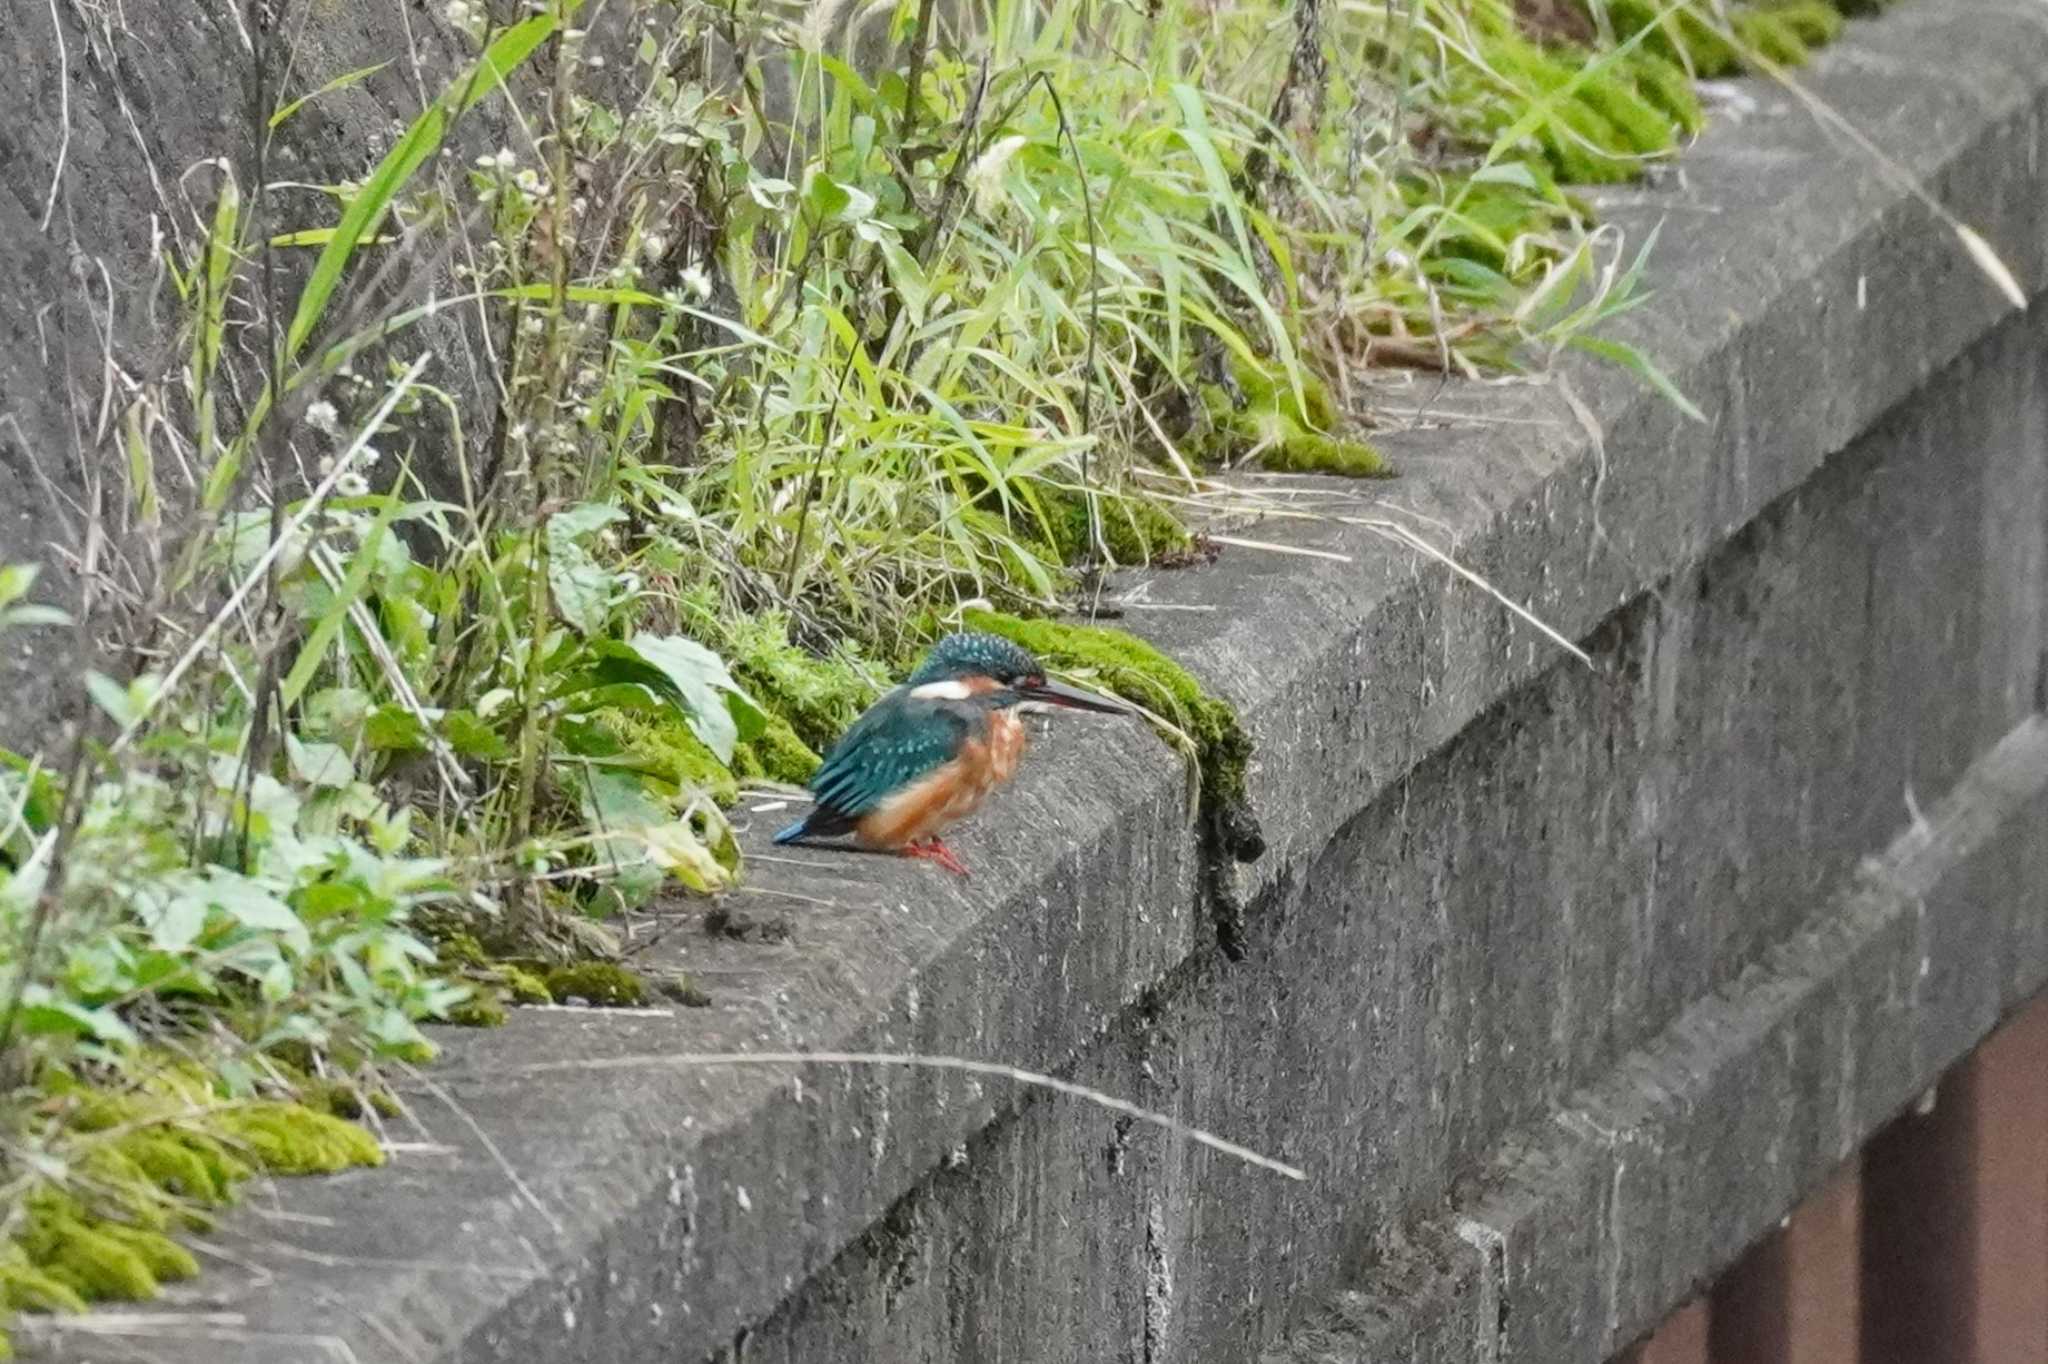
971	654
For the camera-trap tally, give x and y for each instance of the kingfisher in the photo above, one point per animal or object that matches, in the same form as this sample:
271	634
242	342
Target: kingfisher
930	751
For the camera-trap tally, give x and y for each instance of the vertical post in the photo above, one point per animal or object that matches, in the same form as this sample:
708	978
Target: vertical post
2006	1086
1794	1298
1918	1255
1955	1237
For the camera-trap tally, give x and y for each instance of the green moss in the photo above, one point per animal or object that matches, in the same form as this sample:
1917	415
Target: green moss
70	1257
1682	38
598	982
522	985
183	1162
1284	427
1309	453
1579	141
1490	217
24	1288
483	1009
95	1267
1135	531
1647	129
458	947
166	1260
818	695
1771	34
1638	125
292	1139
1784	31
776	754
665	748
348	1099
143	1162
121	1185
1817	24
1664	84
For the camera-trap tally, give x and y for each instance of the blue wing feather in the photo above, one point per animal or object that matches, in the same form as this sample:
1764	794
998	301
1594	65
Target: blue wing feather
895	741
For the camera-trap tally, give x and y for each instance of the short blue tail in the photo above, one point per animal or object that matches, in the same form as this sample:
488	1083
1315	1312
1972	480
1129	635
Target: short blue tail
794	831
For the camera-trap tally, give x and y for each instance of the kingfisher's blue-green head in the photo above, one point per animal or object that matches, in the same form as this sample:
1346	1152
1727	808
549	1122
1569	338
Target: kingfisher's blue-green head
970	663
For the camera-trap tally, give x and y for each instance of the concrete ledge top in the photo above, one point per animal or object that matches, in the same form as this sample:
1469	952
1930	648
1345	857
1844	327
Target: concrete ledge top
582	1189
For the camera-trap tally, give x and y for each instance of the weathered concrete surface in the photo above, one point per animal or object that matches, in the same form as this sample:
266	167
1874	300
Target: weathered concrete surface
1559	985
109	118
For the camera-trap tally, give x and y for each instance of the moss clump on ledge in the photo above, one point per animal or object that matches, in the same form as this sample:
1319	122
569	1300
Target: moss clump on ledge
1285	430
143	1163
1134	531
1139	673
596	982
1610	119
1781	31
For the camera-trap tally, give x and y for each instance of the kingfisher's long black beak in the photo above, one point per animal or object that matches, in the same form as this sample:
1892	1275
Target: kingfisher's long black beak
1073	698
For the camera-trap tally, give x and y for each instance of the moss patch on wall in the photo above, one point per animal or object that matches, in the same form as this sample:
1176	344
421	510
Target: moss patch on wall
1286	430
143	1163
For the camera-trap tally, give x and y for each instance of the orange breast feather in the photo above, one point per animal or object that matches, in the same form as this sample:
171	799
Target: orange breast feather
951	791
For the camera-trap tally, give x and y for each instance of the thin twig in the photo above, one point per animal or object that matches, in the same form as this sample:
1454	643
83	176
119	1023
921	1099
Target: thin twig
63	116
1035	1079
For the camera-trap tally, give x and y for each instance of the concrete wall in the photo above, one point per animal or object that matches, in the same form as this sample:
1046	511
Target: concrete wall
1453	985
1564	983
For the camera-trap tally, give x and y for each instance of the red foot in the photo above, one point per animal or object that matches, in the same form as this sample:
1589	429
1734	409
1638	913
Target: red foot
931	850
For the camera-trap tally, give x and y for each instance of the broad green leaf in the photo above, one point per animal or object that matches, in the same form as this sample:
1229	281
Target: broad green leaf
46	1014
582	519
831	202
319	764
582	589
719	712
174	918
251	906
123	705
676	849
393	728
472	738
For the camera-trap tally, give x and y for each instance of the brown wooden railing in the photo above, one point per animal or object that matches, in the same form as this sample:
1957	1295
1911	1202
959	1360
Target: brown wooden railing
1929	1246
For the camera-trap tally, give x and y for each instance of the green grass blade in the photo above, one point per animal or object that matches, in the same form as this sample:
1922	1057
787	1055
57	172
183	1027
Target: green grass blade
369	205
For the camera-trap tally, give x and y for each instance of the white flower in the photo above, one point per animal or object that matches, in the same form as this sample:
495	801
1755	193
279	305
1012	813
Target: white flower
652	245
322	418
352	484
697	282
